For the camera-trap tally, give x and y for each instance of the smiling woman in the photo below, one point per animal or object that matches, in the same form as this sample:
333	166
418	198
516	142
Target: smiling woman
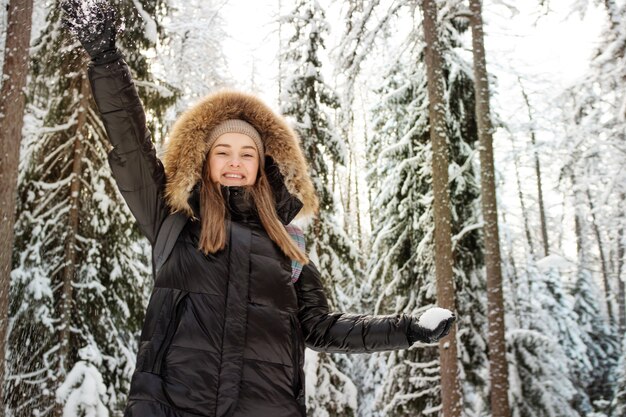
234	160
227	322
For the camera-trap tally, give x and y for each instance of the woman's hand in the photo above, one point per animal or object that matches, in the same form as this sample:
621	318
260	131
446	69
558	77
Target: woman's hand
92	22
431	326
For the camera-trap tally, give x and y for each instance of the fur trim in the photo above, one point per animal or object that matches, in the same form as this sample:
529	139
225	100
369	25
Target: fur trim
186	150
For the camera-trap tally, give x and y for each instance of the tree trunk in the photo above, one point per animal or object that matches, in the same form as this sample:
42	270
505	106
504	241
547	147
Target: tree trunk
621	299
69	272
450	387
513	279
542	210
498	368
369	189
605	273
358	210
12	102
521	201
347	213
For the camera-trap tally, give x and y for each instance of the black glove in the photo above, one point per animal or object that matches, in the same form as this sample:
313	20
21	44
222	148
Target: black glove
417	333
93	24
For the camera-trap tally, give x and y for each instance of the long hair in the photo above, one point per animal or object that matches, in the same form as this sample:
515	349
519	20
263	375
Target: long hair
213	216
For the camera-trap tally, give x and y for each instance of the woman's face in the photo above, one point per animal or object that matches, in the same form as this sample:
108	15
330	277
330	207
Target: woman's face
234	160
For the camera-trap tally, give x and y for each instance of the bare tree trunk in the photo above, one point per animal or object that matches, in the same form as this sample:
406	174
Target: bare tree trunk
498	368
513	279
12	102
450	387
70	253
348	207
333	178
621	299
605	273
369	189
522	204
358	209
542	210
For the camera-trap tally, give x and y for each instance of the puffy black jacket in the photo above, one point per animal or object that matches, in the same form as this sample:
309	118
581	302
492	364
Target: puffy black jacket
224	334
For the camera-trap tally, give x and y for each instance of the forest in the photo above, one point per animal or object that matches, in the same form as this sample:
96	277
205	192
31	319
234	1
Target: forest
466	154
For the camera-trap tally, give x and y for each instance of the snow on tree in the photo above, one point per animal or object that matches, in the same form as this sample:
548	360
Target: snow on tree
81	271
594	181
309	102
594	110
190	57
548	311
618	405
401	273
598	336
538	376
83	392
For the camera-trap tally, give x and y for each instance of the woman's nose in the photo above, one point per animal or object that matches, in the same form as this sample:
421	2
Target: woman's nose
235	162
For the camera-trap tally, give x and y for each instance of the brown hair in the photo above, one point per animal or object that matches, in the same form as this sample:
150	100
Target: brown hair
213	215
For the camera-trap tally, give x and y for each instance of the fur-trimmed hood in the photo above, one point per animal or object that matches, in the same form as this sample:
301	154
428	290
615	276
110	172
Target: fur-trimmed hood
186	150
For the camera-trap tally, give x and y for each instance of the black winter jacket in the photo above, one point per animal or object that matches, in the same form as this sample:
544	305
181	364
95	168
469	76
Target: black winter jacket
224	334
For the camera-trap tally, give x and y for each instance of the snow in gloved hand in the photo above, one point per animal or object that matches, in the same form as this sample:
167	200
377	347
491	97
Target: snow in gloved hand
433	317
92	22
431	326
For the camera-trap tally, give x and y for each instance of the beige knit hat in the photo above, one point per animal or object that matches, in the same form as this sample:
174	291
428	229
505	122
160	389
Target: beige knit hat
236	126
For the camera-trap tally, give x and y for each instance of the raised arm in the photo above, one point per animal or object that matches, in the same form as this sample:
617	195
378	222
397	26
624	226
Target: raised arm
328	331
137	170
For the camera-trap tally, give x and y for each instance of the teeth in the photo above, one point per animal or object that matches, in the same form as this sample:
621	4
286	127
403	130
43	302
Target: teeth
233	176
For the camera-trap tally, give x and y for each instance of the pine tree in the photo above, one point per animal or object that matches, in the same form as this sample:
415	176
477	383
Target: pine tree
309	101
602	345
539	380
594	113
81	272
593	179
401	270
550	313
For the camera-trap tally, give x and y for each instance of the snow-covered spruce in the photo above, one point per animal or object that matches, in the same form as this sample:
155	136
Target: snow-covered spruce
401	270
75	244
309	102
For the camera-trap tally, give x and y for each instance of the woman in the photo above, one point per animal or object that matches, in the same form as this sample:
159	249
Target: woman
229	318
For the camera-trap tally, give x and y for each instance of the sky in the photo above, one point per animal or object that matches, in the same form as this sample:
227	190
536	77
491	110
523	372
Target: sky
252	42
549	46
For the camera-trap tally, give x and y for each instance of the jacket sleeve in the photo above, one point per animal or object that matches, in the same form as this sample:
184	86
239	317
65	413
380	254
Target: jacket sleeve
326	331
138	172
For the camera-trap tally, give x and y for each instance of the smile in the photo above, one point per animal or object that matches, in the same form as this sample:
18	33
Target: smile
237	176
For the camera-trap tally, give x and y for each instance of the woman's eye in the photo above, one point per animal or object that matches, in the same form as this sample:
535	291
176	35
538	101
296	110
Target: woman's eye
248	154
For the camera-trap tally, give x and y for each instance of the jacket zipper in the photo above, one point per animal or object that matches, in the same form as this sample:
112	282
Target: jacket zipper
296	353
171	329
